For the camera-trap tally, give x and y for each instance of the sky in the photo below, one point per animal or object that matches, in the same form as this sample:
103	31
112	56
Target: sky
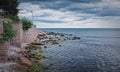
71	13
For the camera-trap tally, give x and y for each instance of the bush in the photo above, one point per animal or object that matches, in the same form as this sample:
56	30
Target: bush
13	17
8	33
26	24
9	6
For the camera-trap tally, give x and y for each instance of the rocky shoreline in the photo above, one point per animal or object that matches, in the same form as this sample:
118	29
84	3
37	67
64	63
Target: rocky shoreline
28	58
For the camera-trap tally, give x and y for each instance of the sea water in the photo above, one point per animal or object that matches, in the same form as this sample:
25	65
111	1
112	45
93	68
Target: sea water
98	50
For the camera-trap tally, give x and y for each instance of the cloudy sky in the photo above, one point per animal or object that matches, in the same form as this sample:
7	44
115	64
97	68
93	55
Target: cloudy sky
72	13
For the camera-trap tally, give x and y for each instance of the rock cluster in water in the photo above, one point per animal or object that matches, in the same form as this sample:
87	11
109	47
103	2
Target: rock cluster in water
29	59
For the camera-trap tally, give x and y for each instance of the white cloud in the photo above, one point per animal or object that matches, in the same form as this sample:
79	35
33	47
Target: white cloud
70	19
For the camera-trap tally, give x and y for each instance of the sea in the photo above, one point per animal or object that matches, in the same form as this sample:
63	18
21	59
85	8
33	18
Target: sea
98	50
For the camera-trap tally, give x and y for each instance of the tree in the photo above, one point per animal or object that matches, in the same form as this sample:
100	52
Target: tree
9	6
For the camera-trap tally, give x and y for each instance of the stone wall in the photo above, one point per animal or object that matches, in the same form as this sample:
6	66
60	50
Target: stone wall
30	35
1	25
4	45
3	50
18	40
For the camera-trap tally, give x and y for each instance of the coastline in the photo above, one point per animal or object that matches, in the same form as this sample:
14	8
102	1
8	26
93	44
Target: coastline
26	58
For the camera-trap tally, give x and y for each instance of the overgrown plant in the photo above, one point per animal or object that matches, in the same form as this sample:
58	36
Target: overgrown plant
8	33
15	18
9	6
26	23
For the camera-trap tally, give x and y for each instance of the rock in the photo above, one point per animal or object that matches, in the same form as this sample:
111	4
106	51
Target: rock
27	54
75	38
28	45
20	50
60	45
25	61
41	34
50	33
37	44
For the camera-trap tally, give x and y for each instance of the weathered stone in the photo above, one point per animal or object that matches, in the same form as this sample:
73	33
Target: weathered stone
18	39
50	33
30	35
20	50
37	44
3	50
25	61
1	25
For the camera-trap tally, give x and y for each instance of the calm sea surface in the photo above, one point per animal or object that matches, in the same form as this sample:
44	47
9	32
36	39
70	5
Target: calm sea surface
98	50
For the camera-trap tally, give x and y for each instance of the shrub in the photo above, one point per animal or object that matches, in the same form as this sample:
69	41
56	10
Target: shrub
9	6
8	33
13	17
26	24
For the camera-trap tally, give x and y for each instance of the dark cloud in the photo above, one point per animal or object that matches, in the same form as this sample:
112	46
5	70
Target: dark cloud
81	1
110	12
79	6
85	1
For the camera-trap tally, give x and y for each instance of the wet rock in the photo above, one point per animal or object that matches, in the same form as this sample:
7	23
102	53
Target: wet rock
41	34
45	46
74	38
60	45
37	44
62	35
50	33
28	46
27	54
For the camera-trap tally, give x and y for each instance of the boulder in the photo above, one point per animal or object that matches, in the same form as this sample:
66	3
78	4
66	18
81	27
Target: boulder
25	61
20	50
37	44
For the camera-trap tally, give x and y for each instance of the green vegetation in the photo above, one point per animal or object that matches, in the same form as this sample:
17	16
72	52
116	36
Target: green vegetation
36	67
9	6
39	56
32	47
26	24
54	42
9	33
9	9
12	17
35	59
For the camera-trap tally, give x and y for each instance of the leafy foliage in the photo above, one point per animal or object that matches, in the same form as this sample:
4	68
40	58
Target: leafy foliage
26	24
9	33
13	17
9	6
